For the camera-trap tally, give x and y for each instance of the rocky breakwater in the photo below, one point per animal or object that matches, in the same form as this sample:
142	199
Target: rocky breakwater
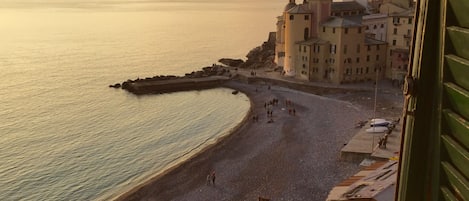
208	77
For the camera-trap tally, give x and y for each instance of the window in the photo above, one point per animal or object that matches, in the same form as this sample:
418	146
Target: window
292	17
382	25
358	59
369	47
374	27
409	21
395	31
377	57
377	47
393	42
333	47
306	36
367	70
367	27
345	49
361	70
319	48
304	48
358	48
300	47
306	17
356	71
333	30
323	29
367	57
359	30
395	20
346	30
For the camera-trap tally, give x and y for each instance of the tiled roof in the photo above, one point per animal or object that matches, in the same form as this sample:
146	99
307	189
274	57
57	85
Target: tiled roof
354	18
407	13
346	6
377	180
299	9
340	22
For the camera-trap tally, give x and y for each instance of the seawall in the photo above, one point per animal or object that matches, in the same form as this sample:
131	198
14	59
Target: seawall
174	85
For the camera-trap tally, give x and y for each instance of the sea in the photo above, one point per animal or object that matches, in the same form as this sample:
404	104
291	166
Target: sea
65	135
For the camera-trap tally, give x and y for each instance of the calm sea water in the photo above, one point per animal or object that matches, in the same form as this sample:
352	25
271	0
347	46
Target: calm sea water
66	136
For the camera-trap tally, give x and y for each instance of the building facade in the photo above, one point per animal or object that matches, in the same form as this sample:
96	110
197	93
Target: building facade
399	37
321	40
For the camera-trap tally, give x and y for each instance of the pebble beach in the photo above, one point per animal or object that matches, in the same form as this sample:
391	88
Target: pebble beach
295	157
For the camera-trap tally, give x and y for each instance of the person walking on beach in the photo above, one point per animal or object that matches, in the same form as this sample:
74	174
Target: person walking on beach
213	178
209	178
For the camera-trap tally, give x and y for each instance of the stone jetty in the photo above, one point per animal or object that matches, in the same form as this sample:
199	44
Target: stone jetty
209	77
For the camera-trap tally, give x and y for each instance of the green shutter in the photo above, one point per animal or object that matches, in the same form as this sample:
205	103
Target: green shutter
436	132
455	128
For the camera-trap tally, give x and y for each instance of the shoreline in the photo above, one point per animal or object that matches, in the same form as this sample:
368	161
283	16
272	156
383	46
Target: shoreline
186	180
132	192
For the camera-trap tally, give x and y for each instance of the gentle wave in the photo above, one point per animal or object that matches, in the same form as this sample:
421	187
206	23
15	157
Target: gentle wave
67	136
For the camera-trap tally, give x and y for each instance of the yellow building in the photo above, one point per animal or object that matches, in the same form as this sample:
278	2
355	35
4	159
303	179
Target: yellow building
399	37
316	46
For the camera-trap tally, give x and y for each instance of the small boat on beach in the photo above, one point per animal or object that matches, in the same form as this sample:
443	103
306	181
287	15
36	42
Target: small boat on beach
377	129
379	122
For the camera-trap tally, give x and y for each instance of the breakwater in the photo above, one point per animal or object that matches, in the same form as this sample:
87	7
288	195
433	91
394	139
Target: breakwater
208	77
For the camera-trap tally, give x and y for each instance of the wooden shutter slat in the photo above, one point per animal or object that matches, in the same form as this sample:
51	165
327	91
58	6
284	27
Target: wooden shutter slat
458	99
459	69
460	8
458	127
457	155
459	38
447	194
458	183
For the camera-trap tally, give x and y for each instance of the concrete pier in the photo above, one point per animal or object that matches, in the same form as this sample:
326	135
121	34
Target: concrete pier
365	145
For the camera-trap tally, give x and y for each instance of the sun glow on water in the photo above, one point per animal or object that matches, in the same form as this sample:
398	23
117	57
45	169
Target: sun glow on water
66	135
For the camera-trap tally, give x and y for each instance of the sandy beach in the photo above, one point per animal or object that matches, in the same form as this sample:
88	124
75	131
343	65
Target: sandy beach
294	158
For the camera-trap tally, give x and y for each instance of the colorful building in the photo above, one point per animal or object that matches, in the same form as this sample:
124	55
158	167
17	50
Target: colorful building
321	40
338	42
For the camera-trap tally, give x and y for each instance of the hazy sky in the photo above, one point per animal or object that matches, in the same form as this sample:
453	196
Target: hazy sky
88	3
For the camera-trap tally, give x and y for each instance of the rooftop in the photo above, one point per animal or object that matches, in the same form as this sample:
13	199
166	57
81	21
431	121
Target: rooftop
340	22
407	13
300	9
346	6
376	182
374	16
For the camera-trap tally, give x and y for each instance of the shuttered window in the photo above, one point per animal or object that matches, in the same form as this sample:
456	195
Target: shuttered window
435	154
454	183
